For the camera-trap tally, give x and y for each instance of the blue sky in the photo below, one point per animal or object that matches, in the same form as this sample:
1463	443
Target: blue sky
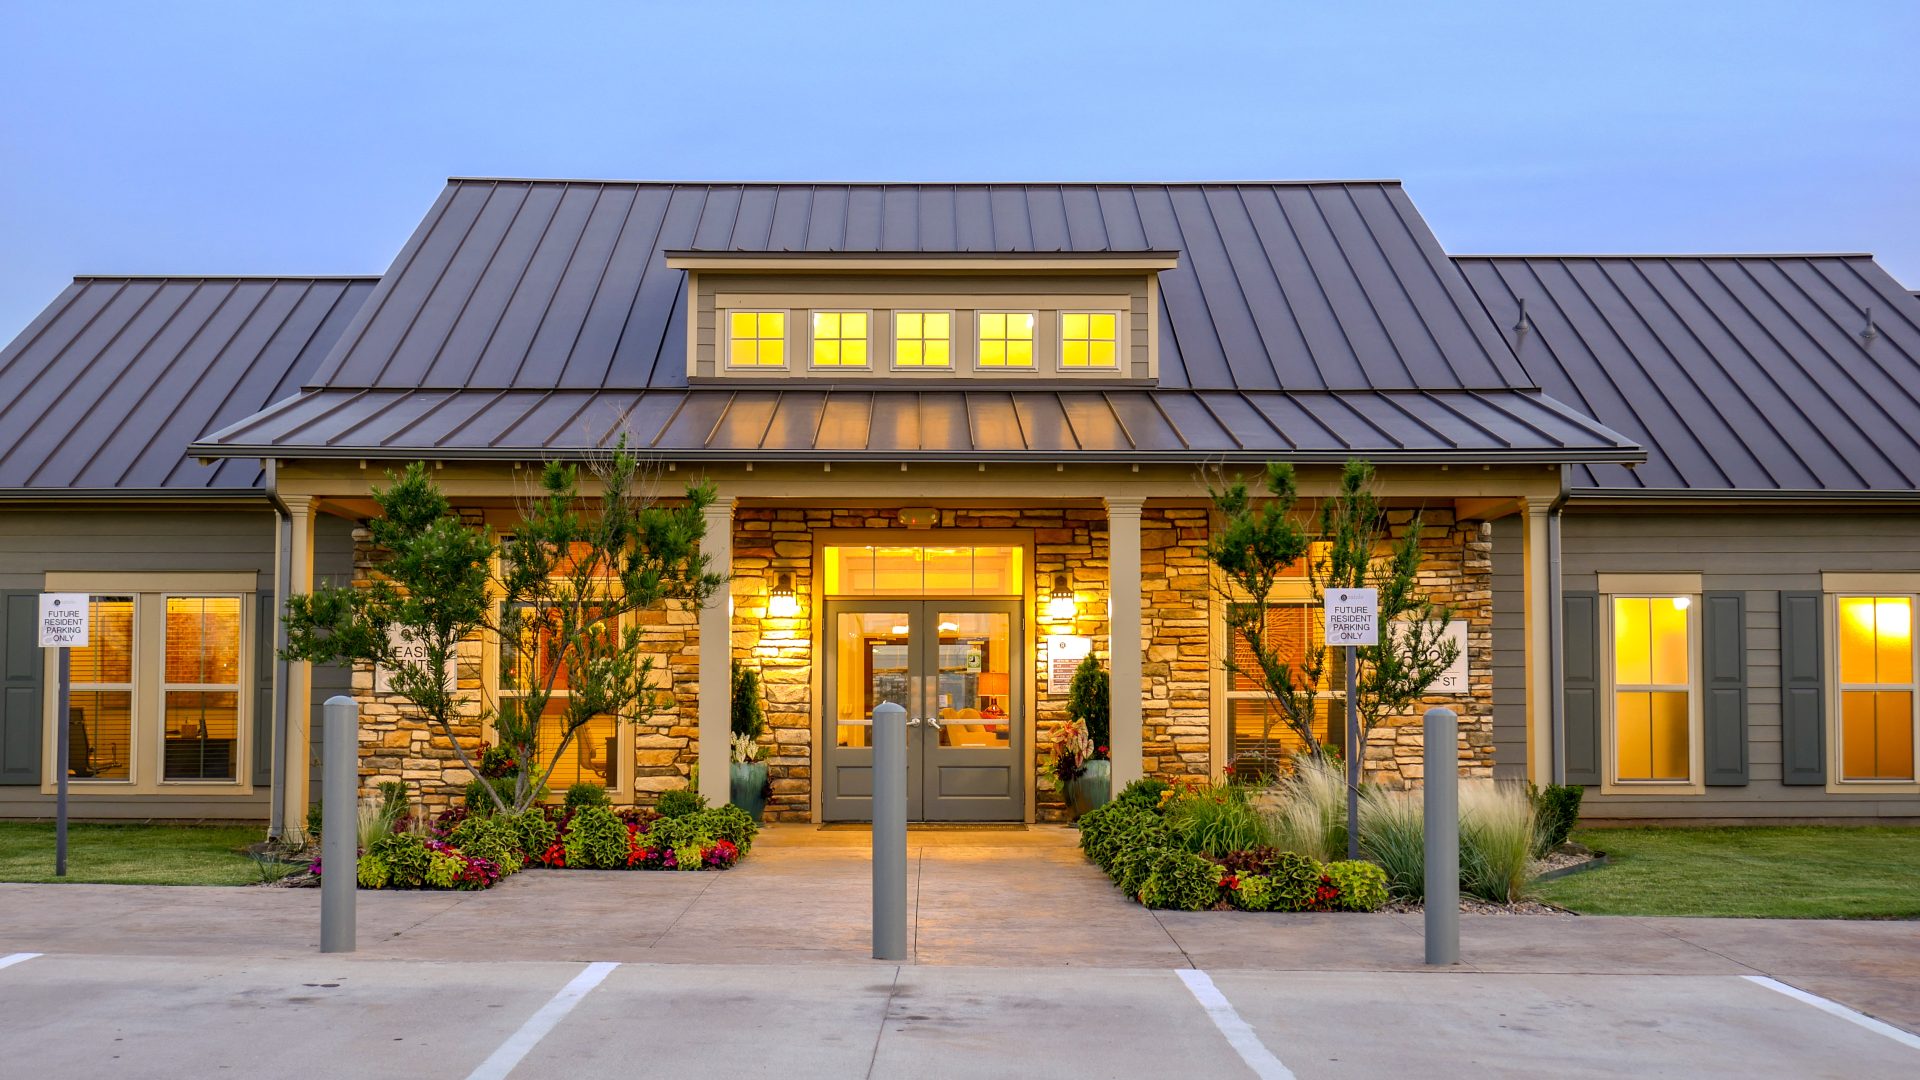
310	138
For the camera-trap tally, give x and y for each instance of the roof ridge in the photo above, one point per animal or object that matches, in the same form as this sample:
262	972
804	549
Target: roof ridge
227	277
1670	255
1323	181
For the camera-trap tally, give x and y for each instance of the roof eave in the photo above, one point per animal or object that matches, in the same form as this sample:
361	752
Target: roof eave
1735	495
337	452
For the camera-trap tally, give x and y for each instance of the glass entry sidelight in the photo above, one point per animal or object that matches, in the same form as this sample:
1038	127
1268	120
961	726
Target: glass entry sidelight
951	665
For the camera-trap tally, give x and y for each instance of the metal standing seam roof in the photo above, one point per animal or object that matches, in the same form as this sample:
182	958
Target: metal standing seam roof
544	284
1740	374
106	388
972	425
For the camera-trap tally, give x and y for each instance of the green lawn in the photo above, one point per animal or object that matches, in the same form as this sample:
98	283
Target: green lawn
132	854
1797	872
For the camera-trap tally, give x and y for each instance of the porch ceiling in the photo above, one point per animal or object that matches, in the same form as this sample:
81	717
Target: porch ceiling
830	424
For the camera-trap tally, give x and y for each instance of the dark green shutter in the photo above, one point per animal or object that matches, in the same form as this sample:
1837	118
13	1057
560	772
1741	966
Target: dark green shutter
263	638
1803	700
1580	693
1723	650
22	667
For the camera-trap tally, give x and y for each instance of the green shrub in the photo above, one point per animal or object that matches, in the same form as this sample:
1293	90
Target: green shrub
1131	830
596	840
688	857
1217	821
678	832
1181	880
1143	794
313	820
680	802
580	795
1132	865
1104	827
491	838
443	870
479	802
372	872
1253	893
400	859
1362	885
730	823
535	832
1293	881
1556	808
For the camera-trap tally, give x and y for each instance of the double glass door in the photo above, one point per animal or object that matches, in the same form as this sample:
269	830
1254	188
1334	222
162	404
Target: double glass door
952	666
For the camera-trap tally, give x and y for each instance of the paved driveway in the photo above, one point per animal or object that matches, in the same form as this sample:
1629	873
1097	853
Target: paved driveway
1023	958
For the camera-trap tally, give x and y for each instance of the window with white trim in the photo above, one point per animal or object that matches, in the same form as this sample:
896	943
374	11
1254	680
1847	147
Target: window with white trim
200	689
1089	339
1005	339
1876	719
922	339
100	715
840	339
756	339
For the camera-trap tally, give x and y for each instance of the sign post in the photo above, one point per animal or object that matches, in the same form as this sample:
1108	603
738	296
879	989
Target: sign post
64	625
1353	620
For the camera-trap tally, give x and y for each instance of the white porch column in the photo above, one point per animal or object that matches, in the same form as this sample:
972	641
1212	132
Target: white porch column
1124	648
296	756
716	659
1538	623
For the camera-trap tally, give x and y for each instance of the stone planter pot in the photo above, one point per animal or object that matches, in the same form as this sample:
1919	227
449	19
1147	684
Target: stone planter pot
1091	788
748	782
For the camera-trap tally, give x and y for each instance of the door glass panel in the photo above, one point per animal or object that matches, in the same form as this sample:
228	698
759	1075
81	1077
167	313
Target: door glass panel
974	696
911	570
870	667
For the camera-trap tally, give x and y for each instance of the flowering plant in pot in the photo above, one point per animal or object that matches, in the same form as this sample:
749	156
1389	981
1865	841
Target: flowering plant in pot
1088	707
747	775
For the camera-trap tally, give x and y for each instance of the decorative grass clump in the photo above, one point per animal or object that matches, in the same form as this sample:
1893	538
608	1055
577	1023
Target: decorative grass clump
1310	812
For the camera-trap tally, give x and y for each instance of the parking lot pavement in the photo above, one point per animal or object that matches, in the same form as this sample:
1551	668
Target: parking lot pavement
64	1015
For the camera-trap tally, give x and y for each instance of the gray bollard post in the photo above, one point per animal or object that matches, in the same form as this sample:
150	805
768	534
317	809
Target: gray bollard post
339	822
889	832
1442	813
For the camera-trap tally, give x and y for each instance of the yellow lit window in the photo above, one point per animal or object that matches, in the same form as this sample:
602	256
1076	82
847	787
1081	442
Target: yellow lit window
1088	339
757	338
922	339
1876	688
1006	340
1652	688
839	339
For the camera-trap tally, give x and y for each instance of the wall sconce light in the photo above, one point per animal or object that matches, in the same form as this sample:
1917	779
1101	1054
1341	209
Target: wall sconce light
1060	605
781	602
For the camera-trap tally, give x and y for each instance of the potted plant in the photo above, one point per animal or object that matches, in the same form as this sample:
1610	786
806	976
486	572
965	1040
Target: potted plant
748	774
1087	781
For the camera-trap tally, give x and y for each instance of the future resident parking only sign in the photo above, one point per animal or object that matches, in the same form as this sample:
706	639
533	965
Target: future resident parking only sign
63	620
1353	617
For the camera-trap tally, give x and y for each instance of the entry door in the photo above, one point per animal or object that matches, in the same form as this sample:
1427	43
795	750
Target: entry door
951	665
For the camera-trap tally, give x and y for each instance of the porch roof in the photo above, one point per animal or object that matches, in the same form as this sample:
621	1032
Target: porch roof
837	424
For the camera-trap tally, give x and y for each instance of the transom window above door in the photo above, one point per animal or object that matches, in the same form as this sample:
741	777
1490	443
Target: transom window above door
911	570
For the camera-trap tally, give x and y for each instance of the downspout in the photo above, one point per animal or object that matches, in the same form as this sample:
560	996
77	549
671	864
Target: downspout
282	574
1556	652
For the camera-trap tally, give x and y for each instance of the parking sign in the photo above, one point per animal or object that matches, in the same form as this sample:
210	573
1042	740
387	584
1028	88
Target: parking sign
63	620
1353	617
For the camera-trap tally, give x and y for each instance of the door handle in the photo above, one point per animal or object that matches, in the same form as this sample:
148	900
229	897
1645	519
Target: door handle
933	723
913	721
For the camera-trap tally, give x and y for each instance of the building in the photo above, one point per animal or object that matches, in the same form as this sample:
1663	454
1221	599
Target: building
962	430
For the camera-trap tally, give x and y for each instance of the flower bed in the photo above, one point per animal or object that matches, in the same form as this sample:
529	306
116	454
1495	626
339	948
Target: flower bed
465	849
1197	849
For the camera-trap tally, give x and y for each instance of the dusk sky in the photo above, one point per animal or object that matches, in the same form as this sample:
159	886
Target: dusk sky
253	138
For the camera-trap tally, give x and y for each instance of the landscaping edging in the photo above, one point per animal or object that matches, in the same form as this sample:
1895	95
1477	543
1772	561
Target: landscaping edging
1599	859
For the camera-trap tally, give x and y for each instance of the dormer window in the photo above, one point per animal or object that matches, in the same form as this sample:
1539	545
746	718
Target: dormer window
922	339
1089	339
757	339
1006	339
840	339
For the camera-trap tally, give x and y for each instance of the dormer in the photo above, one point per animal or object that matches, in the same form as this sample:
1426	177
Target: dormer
1010	319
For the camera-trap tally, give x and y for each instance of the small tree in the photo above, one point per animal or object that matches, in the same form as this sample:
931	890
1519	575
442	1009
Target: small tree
749	713
568	580
1089	703
1255	545
430	592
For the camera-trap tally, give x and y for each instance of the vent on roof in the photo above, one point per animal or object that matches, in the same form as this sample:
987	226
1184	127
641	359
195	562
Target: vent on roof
1868	333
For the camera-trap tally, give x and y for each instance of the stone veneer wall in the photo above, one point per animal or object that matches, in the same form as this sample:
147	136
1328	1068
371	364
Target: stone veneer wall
1179	630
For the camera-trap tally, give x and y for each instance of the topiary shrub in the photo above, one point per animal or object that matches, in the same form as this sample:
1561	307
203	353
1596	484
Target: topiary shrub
680	802
584	794
1143	794
596	839
494	839
1293	881
1556	808
1362	885
1181	880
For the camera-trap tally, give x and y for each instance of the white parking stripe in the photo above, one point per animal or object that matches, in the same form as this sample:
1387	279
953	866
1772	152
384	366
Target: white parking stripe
1239	1035
1904	1038
16	958
517	1046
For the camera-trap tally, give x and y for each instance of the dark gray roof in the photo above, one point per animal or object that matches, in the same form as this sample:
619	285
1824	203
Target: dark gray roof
105	389
970	425
1738	374
528	284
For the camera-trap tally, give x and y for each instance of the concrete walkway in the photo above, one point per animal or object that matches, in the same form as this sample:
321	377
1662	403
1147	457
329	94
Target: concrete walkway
1000	921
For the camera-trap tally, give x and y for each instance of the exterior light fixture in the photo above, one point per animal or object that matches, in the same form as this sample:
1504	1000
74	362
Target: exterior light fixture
781	602
1060	605
919	517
